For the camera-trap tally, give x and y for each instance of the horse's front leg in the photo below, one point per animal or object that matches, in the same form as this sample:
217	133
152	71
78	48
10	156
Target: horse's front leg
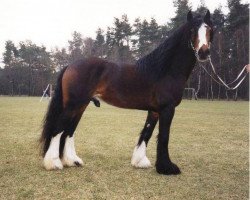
139	158
163	162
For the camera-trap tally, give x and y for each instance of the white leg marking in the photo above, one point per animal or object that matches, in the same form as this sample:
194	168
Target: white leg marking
51	159
69	153
139	158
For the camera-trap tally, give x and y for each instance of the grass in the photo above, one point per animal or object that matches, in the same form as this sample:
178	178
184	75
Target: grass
209	142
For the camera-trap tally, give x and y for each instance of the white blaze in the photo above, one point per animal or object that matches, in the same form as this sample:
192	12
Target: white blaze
202	35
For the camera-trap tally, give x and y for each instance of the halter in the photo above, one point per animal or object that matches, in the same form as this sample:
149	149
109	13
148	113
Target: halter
219	81
196	52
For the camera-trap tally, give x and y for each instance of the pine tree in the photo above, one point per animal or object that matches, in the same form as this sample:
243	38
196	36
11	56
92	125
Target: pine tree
76	47
10	53
237	38
202	9
218	51
182	9
237	32
238	15
154	33
109	42
88	47
218	19
99	43
126	29
118	40
142	32
60	58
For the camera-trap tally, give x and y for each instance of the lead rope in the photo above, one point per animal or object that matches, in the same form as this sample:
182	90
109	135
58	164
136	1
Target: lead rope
221	82
227	85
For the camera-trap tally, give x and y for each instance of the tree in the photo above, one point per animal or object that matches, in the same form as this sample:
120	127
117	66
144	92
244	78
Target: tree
217	51
60	58
237	31
182	9
10	57
154	33
109	42
76	47
10	53
99	44
126	30
88	47
37	64
118	40
143	38
202	8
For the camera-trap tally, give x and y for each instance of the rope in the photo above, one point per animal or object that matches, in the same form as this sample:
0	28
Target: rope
209	74
227	85
219	81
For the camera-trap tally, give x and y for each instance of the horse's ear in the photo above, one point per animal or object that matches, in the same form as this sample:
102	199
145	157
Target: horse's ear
207	17
189	16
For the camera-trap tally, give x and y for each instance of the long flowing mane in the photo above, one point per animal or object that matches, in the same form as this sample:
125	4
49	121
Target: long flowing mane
159	60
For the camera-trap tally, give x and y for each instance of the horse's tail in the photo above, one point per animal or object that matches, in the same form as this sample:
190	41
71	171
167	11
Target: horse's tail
53	113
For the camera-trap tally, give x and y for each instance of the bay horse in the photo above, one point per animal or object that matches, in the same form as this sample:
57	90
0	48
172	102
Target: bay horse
155	83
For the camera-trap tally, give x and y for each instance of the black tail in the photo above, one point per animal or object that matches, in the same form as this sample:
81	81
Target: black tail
53	113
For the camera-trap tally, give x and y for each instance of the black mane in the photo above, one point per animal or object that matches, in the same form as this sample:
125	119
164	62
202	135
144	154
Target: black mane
159	60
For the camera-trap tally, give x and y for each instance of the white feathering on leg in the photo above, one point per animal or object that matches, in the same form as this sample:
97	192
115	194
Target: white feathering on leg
69	154
51	159
139	158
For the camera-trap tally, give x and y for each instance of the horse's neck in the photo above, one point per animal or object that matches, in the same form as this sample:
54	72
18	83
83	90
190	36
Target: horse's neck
183	61
172	57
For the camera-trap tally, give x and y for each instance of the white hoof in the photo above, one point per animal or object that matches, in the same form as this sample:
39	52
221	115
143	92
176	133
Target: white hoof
143	163
52	164
139	158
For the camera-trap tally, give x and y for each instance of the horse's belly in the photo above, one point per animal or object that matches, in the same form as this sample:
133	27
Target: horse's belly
127	101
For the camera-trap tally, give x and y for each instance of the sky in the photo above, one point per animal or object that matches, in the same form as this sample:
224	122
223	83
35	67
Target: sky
52	22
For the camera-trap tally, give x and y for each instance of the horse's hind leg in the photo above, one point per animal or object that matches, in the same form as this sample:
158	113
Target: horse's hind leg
64	128
139	158
67	144
51	159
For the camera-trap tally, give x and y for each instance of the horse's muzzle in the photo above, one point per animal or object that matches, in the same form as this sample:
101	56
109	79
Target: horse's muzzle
203	55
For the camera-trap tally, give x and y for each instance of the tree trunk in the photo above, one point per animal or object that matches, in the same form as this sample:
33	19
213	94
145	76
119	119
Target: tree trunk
219	93
236	95
211	87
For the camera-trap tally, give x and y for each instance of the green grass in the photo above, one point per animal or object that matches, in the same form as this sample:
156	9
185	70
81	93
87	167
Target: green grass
209	142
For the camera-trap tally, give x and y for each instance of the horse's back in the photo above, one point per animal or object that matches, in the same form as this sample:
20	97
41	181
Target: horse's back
117	84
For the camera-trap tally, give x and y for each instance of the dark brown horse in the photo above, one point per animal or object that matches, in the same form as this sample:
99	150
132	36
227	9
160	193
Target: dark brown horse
155	83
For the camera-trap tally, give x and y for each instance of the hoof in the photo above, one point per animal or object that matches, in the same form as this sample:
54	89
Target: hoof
78	164
139	158
52	164
167	168
142	163
72	162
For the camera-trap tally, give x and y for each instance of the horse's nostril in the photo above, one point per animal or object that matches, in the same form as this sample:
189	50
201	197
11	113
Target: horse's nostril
203	54
206	52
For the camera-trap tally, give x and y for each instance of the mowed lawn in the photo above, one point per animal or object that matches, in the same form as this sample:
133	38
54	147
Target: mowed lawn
209	142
